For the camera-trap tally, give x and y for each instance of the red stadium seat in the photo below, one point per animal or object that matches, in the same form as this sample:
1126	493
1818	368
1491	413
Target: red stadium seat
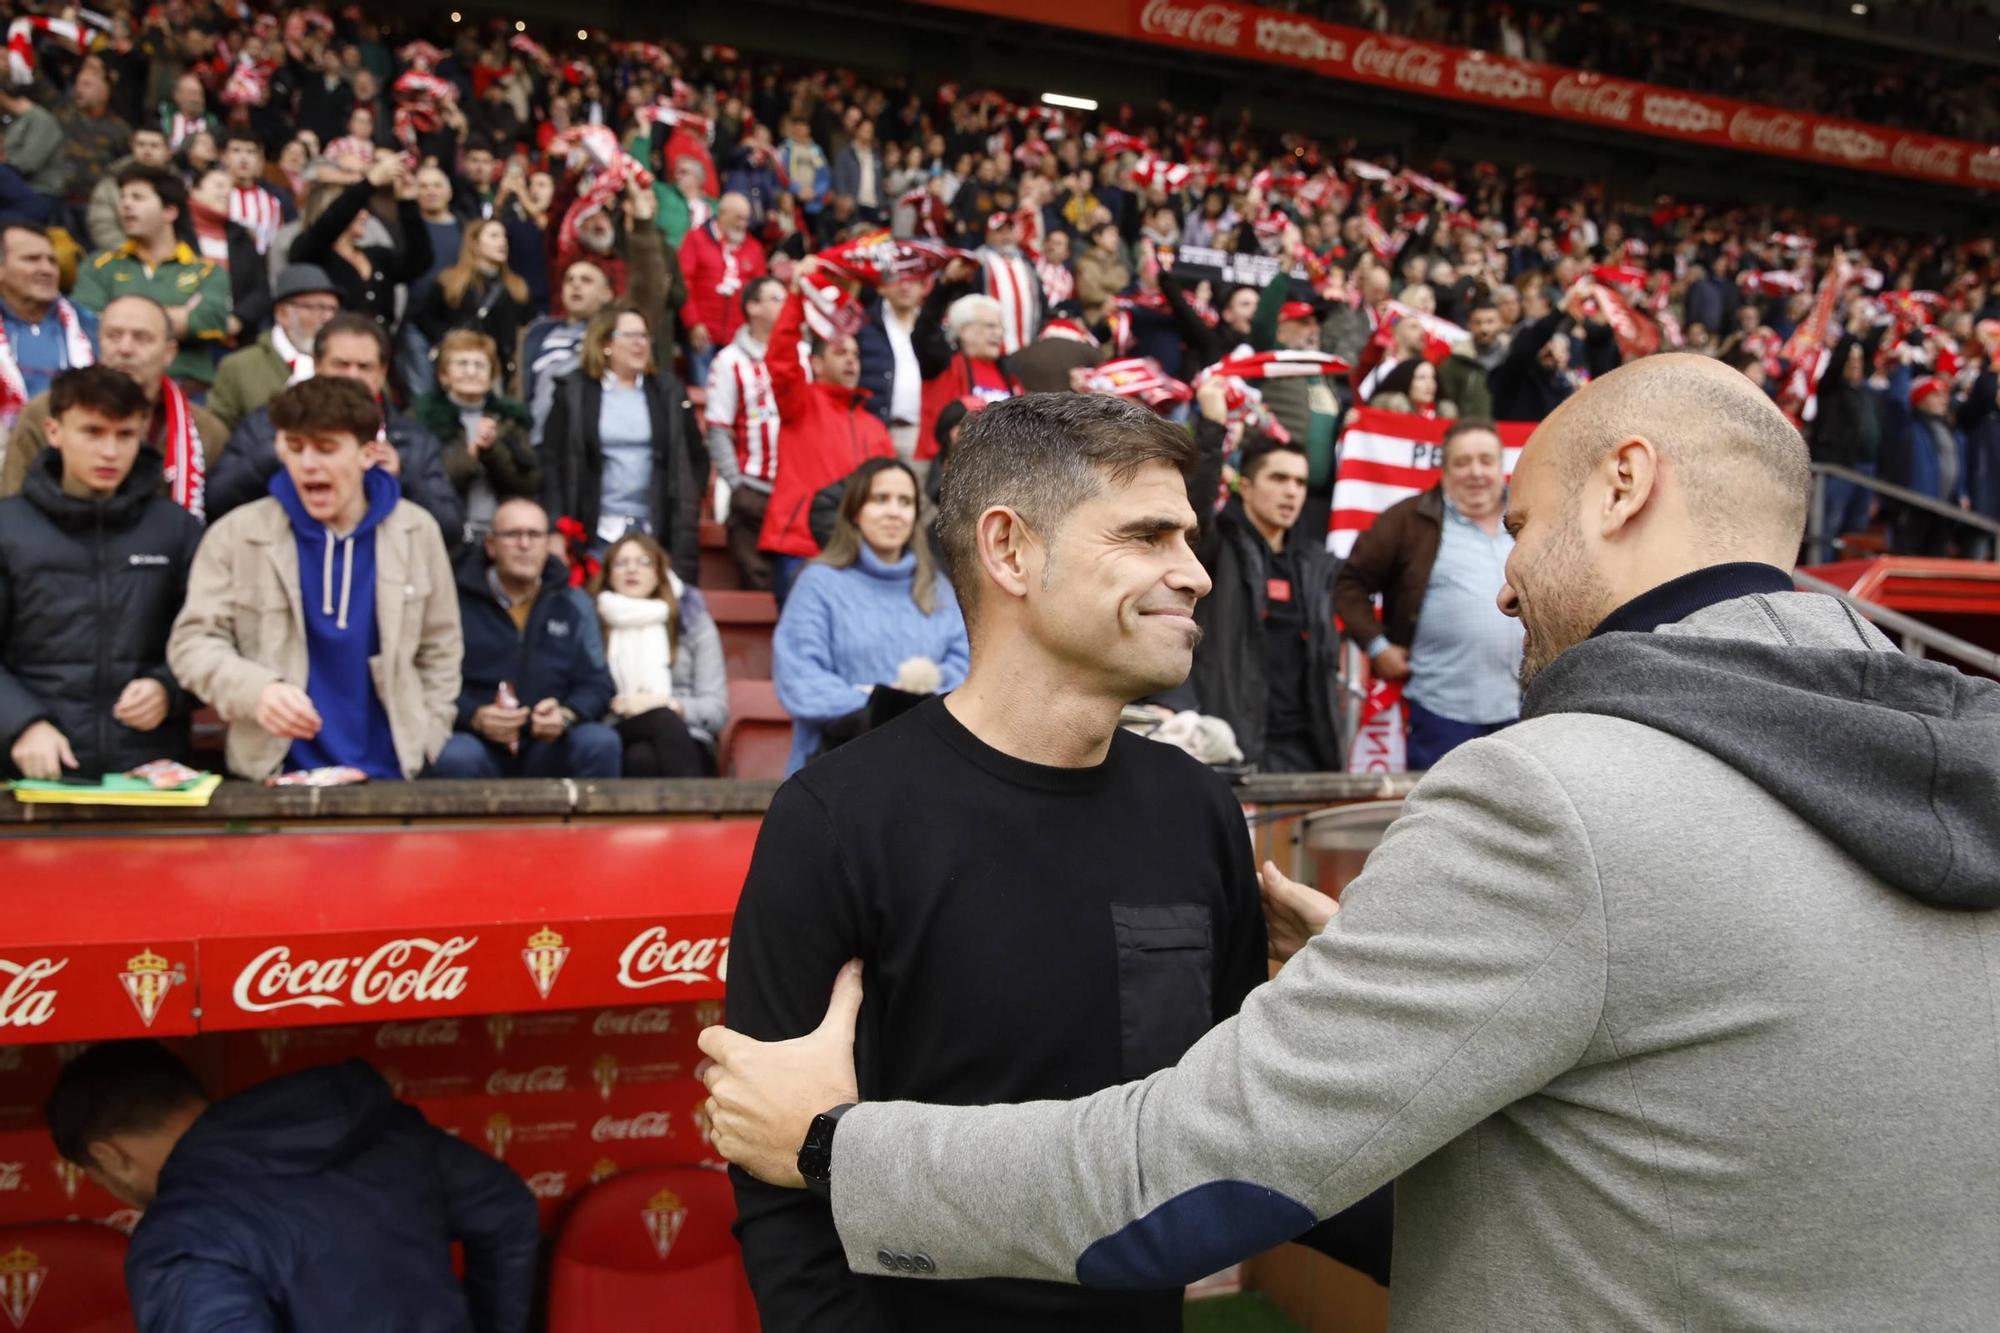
758	739
63	1277
746	621
650	1250
718	567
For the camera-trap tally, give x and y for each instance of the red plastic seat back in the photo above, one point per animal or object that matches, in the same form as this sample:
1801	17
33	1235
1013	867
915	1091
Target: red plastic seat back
745	622
650	1250
63	1277
758	740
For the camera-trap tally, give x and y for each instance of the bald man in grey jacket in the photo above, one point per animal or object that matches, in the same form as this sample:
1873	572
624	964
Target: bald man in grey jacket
1671	1007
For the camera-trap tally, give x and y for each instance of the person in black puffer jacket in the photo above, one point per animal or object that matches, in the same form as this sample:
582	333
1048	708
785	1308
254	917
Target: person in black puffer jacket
89	587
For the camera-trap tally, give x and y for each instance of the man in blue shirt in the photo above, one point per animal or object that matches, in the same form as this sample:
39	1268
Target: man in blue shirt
44	333
1437	560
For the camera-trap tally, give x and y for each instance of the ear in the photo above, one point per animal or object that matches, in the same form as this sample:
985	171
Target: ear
108	1158
1631	474
1009	552
52	431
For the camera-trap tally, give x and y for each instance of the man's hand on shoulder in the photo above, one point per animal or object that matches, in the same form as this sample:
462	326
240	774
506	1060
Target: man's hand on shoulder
1293	913
763	1095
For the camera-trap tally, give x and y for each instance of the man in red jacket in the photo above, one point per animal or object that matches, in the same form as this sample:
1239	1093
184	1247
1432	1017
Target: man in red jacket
827	433
718	259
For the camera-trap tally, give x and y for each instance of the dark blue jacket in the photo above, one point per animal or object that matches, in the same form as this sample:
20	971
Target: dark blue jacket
1980	421
878	362
1910	455
561	656
317	1201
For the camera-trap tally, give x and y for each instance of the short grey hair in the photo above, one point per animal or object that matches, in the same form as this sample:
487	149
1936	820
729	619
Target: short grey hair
1041	455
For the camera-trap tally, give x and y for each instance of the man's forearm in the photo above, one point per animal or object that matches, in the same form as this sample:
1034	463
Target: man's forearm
721	442
1375	1045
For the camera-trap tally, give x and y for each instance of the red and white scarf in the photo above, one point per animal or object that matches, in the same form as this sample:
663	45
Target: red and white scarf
732	266
258	211
300	364
13	388
182	128
21	42
1058	283
1013	282
187	466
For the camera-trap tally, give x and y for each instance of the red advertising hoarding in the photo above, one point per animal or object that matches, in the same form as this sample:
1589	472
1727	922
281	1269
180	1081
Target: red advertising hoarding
1481	78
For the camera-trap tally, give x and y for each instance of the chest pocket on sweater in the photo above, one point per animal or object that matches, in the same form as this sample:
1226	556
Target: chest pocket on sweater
1166	971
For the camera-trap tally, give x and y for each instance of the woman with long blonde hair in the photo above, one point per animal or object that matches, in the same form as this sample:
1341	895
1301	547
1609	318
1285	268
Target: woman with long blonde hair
479	292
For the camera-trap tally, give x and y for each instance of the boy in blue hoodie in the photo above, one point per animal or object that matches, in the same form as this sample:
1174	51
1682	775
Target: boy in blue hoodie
315	1201
322	622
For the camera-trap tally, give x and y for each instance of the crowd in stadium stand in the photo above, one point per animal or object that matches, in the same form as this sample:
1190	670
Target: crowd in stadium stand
1688	49
578	299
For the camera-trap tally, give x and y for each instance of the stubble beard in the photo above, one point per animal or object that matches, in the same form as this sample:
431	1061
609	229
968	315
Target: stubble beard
1570	599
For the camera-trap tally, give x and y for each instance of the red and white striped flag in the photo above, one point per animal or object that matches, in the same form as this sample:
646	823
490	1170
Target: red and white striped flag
1276	365
1385	458
1139	378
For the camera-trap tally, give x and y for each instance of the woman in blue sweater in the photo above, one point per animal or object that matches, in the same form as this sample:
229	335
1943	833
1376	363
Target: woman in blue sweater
872	610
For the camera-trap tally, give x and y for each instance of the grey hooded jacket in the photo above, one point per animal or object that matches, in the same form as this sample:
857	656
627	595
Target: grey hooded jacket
1671	1007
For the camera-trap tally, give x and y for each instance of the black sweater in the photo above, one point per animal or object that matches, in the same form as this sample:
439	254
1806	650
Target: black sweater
1028	932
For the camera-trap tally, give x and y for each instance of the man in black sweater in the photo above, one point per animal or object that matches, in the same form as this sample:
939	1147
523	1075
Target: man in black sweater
1045	905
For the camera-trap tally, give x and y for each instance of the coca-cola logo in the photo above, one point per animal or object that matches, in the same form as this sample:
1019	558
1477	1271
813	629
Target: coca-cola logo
1932	158
23	1004
1600	99
1682	114
1209	25
633	1023
1985	167
549	1184
1850	145
11	1176
645	1125
654	957
542	1078
1496	79
429	1032
1413	66
412	971
1299	40
1773	130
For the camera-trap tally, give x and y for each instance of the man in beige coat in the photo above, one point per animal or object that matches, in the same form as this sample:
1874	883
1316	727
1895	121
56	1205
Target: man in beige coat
322	621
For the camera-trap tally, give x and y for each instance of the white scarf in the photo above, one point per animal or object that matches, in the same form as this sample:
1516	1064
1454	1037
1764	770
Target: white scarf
635	644
300	363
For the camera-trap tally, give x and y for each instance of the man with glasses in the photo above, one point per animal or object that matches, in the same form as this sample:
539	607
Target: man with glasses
304	300
535	683
321	621
348	346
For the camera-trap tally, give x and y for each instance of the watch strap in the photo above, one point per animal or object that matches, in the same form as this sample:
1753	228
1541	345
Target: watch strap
816	1154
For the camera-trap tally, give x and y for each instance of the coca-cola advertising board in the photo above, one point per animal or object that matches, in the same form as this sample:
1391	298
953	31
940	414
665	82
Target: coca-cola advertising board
1430	69
369	976
73	991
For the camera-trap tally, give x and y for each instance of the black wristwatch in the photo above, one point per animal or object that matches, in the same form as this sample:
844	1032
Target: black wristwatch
816	1153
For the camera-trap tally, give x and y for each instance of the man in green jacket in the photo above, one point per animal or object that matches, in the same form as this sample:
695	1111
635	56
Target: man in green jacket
1462	375
246	380
155	262
682	205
